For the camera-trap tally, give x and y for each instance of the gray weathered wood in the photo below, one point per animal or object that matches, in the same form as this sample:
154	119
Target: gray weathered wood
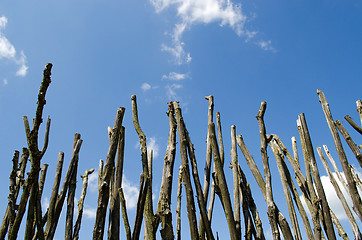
356	199
222	184
339	193
186	173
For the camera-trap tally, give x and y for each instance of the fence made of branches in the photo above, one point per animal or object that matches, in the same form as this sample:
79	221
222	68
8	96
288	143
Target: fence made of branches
158	218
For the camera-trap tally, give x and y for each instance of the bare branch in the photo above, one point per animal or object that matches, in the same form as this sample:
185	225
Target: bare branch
81	203
357	203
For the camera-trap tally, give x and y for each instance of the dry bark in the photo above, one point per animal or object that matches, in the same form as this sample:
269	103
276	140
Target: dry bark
349	141
317	181
124	214
236	179
148	209
221	148
272	213
249	204
103	194
339	227
359	109
70	199
178	208
357	203
292	187
313	199
352	221
200	196
140	207
284	226
114	205
12	190
353	124
100	174
55	190
222	184
9	217
53	222
186	173
164	201
295	150
81	203
35	157
283	176
207	169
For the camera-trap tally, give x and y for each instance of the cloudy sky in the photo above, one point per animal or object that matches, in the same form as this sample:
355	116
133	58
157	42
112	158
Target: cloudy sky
242	52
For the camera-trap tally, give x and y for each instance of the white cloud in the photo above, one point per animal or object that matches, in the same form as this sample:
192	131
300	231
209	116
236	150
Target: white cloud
90	213
266	45
7	50
145	87
5	81
3	22
93	182
171	91
332	198
130	191
191	12
174	76
45	203
152	145
23	68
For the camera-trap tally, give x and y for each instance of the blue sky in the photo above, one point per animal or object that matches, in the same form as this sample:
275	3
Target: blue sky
242	52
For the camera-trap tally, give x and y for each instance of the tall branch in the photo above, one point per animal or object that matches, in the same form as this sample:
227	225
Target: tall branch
236	179
148	210
70	200
272	214
352	221
200	196
261	183
186	173
222	185
114	205
103	194
359	109
353	124
283	176
53	222
164	200
357	203
207	169
35	155
81	203
178	208
317	180
349	141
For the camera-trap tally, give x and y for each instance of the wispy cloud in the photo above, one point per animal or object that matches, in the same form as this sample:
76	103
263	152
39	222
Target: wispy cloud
266	45
7	50
130	191
171	91
23	69
45	204
192	12
174	76
93	182
5	81
145	87
89	213
153	145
